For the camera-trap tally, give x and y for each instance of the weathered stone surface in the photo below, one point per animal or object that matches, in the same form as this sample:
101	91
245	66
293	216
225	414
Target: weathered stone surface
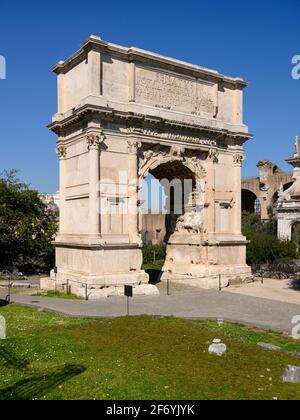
98	292
268	346
292	375
123	114
143	290
217	348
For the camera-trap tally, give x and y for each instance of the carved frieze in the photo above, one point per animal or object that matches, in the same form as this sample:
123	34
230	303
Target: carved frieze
191	222
177	151
169	135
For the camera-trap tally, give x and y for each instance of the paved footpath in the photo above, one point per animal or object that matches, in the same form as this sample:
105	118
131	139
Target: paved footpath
204	304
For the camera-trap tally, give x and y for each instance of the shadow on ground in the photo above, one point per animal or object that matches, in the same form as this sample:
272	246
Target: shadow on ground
36	387
154	276
11	360
295	285
3	303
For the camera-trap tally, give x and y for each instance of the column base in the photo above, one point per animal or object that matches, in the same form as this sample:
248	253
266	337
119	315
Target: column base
211	277
92	291
102	269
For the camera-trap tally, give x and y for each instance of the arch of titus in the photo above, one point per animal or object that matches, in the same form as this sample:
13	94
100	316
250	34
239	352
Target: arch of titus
126	113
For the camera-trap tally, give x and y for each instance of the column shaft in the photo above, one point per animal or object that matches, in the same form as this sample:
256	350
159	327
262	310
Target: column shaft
94	177
62	153
133	211
237	210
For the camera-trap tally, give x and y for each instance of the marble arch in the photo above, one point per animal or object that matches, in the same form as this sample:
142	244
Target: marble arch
128	111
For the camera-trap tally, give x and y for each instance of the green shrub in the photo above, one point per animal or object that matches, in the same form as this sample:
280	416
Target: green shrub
149	250
264	245
27	227
267	248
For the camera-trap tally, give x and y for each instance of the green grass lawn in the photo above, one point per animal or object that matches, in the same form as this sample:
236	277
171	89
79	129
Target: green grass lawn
47	356
60	295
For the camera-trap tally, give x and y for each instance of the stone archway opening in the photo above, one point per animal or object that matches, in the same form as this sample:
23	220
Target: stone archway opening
250	202
169	192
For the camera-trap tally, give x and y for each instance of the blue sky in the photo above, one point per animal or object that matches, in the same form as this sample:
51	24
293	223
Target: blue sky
252	39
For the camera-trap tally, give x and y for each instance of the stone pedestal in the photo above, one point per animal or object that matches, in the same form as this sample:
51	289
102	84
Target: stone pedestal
206	264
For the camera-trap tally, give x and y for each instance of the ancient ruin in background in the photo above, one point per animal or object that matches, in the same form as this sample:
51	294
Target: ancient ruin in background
260	194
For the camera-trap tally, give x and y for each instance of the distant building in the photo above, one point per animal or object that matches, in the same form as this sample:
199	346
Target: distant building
52	200
261	193
154	228
289	203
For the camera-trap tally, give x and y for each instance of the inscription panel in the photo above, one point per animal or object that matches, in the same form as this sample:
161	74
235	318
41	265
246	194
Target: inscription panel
173	92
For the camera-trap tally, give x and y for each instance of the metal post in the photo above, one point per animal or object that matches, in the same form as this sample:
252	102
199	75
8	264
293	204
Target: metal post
55	272
86	292
68	287
8	292
8	297
220	283
262	276
168	287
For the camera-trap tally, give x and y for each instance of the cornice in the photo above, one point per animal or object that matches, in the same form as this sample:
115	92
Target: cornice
135	54
131	118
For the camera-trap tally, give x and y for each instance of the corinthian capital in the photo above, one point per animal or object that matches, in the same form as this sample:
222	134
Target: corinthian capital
213	155
133	146
238	159
94	140
61	151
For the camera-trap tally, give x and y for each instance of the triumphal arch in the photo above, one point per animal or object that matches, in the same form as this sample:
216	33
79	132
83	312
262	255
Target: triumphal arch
124	114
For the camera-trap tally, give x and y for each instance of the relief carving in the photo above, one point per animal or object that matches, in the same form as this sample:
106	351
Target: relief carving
169	135
94	140
177	151
191	222
175	92
61	151
213	155
158	155
133	146
238	159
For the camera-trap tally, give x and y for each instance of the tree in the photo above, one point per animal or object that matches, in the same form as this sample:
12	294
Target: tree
264	245
27	226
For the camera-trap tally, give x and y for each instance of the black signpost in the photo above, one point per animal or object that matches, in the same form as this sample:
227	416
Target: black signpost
128	292
55	272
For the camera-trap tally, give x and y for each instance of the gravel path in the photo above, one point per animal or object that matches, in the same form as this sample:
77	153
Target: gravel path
201	304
